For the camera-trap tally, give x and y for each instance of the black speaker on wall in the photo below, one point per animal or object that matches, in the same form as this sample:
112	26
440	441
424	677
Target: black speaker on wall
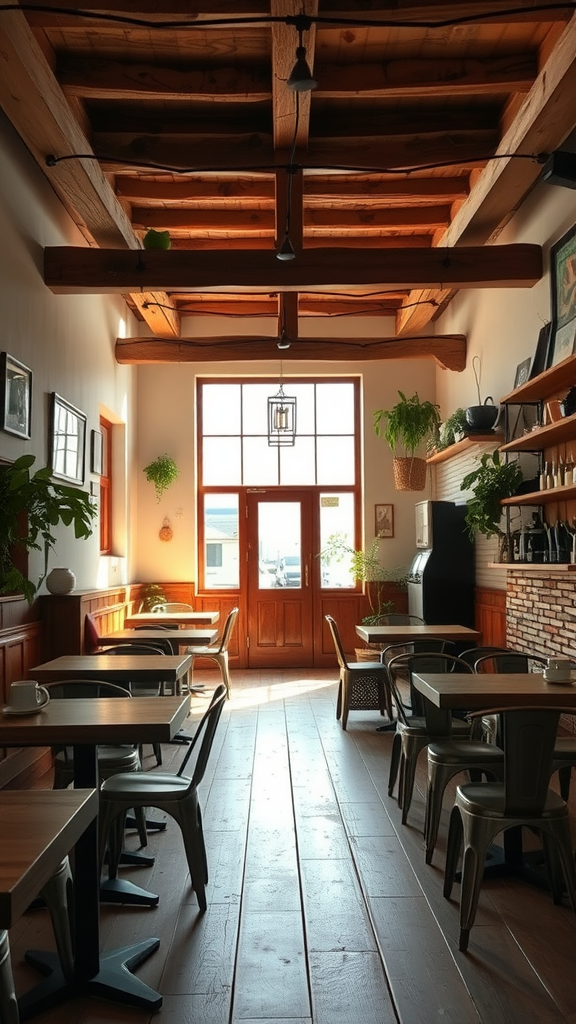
560	169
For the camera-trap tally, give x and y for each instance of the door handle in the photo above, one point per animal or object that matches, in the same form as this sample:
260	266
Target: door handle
305	575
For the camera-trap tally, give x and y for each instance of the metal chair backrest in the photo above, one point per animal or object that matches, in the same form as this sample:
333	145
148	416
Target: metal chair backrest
337	642
509	661
430	661
417	647
227	631
528	737
173	606
473	654
72	688
400	619
205	731
135	649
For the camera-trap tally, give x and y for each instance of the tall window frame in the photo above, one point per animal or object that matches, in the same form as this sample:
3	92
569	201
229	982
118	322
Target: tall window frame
241	489
106	538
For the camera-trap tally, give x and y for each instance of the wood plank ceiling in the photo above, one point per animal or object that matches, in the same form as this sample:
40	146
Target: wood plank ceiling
185	124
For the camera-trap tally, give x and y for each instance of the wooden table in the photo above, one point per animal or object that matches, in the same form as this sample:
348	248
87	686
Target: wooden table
176	637
479	692
122	668
83	724
175	619
404	634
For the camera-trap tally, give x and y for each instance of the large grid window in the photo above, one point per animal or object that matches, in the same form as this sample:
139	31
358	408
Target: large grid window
234	431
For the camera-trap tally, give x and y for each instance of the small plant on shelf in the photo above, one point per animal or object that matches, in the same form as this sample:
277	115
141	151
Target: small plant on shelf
452	430
162	472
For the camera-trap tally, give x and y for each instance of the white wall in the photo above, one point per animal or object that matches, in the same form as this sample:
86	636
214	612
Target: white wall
67	341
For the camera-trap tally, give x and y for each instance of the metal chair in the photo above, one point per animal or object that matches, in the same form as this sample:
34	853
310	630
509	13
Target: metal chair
218	652
481	811
426	723
57	894
400	619
140	689
176	795
363	686
171	606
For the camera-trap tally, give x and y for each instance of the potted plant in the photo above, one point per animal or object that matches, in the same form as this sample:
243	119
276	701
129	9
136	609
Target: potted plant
365	567
30	507
452	430
493	480
483	416
161	472
407	426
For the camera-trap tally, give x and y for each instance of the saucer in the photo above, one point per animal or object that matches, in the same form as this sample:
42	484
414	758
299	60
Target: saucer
9	710
564	681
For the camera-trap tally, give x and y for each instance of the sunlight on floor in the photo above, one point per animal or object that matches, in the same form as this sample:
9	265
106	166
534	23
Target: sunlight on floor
252	696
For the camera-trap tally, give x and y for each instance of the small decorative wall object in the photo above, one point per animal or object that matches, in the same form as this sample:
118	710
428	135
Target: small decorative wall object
384	520
16	384
67	442
61	581
540	361
522	372
96	452
563	284
166	530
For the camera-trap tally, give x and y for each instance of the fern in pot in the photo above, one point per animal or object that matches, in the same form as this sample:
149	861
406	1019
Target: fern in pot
406	427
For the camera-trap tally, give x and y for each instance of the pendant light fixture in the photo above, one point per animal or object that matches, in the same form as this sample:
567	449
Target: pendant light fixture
281	418
301	79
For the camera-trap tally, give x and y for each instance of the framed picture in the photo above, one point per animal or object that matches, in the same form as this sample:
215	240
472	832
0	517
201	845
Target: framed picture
96	452
563	284
67	442
384	520
540	361
17	396
522	372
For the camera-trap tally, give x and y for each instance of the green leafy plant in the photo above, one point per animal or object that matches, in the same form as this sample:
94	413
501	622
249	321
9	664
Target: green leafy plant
493	480
408	423
31	506
161	472
152	594
365	567
454	425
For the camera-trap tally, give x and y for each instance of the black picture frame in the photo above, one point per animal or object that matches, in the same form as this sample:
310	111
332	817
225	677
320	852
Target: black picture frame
563	296
522	372
96	452
16	383
67	441
540	361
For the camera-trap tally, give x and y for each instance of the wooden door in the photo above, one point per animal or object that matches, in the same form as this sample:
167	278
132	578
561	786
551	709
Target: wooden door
279	555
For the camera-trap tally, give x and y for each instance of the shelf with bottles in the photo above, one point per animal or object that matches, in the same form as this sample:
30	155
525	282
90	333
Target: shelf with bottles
543	497
554	433
541	543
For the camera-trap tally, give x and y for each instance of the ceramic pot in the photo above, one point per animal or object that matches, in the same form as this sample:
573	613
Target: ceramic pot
61	581
482	417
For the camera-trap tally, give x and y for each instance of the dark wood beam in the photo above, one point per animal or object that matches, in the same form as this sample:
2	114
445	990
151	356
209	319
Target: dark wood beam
419	78
111	80
448	351
69	270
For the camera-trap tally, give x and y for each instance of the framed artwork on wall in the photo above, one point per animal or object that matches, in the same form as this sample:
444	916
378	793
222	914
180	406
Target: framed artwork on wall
16	382
67	441
563	284
522	372
540	361
384	520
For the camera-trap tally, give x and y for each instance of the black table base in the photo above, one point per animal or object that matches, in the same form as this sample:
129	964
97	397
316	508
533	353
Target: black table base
113	981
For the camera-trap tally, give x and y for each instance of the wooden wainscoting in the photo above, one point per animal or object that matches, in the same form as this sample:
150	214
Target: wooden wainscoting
20	650
490	615
64	617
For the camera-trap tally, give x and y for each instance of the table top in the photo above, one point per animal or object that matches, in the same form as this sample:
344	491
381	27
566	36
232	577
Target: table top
172	619
186	635
477	692
82	720
399	633
123	667
39	827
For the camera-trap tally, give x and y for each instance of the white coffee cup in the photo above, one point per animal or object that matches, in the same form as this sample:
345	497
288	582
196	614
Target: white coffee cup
28	695
559	665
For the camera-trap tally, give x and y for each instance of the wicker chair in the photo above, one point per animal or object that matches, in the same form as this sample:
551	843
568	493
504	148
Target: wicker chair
363	684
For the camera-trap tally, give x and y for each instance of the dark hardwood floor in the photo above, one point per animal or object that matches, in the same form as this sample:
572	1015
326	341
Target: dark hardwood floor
321	909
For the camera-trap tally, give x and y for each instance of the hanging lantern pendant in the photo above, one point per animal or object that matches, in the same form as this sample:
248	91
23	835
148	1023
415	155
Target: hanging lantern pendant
281	419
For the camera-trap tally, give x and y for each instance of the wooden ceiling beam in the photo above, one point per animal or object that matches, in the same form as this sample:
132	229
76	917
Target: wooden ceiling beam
70	270
448	351
250	222
545	119
290	110
159	312
225	194
113	80
427	78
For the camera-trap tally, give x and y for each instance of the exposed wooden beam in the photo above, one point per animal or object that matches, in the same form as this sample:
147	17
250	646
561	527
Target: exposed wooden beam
448	351
261	222
159	312
69	270
199	192
544	120
417	79
290	110
111	80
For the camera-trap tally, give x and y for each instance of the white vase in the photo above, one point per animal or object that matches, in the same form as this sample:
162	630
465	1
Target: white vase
61	581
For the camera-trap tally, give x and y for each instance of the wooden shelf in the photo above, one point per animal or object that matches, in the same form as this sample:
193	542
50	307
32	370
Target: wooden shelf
543	497
544	437
534	566
463	445
563	375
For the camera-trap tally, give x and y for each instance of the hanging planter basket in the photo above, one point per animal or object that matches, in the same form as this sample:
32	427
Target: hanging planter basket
409	474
